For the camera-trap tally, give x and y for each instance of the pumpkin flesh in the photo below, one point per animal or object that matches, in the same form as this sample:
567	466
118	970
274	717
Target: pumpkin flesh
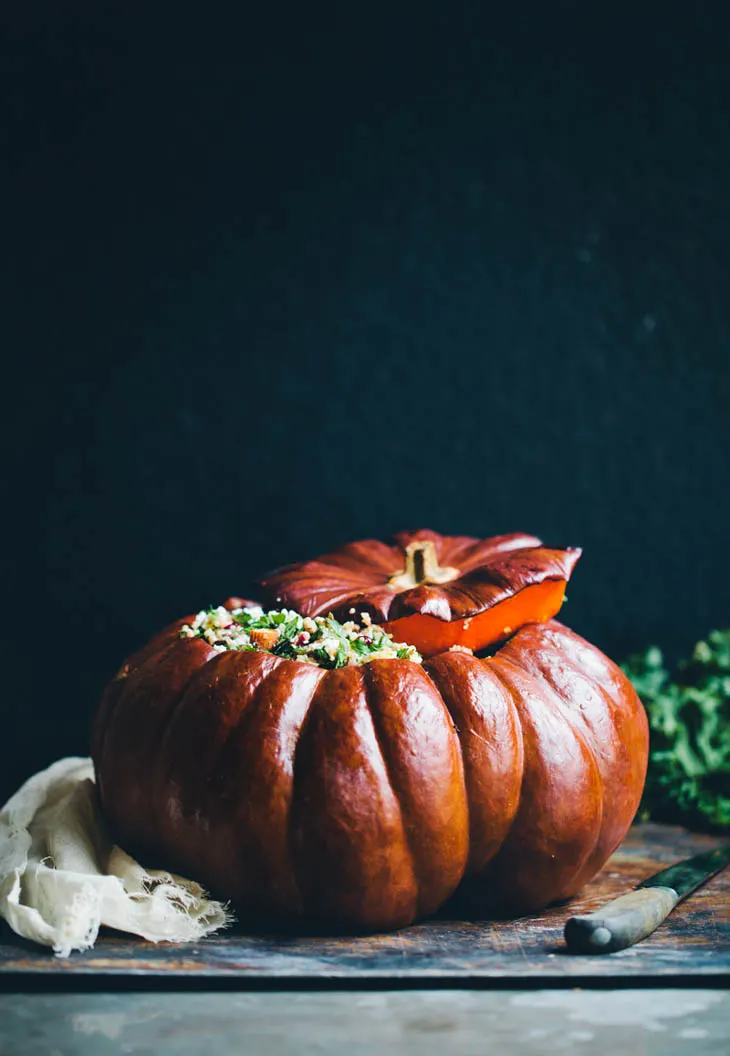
533	604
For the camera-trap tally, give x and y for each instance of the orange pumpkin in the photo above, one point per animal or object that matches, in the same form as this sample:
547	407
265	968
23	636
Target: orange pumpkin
362	797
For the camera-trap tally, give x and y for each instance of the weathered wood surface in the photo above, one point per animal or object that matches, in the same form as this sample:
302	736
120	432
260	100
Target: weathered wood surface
450	949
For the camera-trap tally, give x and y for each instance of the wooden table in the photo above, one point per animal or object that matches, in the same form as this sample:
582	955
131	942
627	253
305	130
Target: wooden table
692	948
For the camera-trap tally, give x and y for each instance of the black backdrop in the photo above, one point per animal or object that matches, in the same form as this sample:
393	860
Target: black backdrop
275	281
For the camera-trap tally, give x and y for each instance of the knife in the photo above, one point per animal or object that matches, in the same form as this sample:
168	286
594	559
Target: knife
630	918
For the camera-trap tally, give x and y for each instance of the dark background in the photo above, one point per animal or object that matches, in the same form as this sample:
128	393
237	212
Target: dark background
276	280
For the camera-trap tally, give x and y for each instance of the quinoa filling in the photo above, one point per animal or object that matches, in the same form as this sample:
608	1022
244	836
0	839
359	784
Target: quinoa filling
320	640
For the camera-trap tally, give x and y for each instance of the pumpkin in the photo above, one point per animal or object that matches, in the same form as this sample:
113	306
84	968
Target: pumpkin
361	798
434	591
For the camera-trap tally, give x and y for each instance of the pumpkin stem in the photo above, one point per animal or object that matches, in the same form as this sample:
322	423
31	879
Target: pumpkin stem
420	559
421	567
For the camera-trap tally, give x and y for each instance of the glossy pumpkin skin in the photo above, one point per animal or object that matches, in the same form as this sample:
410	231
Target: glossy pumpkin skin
361	798
432	591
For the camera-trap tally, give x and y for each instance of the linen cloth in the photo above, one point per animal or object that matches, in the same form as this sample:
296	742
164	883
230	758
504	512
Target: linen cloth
61	878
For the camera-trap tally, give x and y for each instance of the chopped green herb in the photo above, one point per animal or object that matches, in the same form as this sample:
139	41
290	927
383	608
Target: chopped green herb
283	648
321	640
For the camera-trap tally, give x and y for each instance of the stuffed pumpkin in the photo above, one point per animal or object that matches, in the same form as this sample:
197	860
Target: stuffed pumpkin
345	759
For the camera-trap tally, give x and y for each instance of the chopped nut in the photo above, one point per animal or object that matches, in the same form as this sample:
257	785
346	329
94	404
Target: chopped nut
331	647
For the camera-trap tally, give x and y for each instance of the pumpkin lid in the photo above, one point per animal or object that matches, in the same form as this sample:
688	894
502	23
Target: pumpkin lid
447	577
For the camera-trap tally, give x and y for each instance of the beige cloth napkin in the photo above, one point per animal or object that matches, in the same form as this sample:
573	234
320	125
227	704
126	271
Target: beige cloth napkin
61	878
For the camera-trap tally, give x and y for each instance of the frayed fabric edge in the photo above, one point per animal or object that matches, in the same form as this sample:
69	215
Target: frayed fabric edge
61	880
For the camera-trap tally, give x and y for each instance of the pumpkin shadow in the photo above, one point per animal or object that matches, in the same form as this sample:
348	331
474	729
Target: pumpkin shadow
461	909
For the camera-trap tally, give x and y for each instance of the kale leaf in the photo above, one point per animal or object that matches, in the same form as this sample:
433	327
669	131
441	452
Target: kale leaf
689	717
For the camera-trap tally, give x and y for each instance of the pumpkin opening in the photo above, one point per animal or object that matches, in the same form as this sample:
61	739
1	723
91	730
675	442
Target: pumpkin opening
321	641
533	604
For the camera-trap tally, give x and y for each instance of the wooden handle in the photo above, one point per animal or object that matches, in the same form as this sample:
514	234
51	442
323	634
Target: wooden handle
621	923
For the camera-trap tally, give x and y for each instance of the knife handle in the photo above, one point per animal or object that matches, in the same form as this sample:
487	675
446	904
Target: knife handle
621	923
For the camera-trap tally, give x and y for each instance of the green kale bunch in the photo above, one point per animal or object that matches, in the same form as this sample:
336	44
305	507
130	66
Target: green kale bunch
689	716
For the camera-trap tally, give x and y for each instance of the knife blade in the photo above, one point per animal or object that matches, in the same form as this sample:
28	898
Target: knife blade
631	917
